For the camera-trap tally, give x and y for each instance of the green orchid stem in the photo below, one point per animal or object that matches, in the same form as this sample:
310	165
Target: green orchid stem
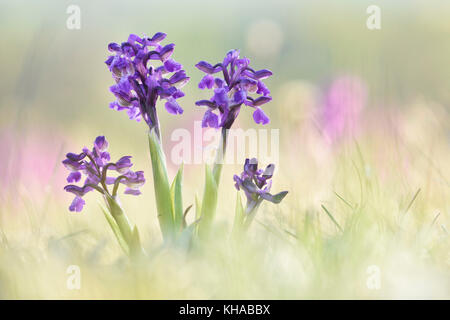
127	232
155	121
220	155
244	217
163	197
120	217
210	195
250	213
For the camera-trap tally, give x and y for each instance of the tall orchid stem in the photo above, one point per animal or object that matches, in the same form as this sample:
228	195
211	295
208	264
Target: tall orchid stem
209	203
220	155
244	217
119	216
155	122
250	212
161	185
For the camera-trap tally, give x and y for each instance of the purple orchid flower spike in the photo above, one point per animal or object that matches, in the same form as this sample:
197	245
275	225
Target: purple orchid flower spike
94	165
256	184
233	90
139	84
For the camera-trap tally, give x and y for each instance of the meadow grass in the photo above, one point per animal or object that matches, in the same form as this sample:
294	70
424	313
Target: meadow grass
370	203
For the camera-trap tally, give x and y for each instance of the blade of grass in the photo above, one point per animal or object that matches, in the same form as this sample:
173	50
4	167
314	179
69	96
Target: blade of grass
345	201
412	201
332	218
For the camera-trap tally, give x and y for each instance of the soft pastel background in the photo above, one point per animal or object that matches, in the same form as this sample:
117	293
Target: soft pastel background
363	116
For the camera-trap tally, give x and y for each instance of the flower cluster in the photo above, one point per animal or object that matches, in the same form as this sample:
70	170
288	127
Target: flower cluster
239	80
139	84
94	165
256	183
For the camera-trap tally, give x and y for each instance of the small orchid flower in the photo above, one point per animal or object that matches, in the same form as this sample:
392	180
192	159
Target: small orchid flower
94	165
256	184
140	84
238	83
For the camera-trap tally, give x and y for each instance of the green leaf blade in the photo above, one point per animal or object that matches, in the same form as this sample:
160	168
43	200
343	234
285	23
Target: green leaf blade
209	203
116	230
177	198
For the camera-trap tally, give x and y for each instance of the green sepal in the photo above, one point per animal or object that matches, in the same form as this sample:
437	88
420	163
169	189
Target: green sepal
276	198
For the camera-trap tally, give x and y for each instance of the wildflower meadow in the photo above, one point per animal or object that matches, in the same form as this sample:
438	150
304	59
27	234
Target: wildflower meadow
229	150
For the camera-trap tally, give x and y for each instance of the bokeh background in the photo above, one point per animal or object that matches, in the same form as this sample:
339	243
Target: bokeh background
363	114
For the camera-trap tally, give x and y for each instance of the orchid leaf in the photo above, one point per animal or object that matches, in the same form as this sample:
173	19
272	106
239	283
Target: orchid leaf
177	198
198	208
198	211
209	203
135	243
116	230
185	239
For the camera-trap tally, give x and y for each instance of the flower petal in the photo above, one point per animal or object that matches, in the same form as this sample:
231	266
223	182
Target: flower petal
123	165
76	190
133	192
76	157
77	204
134	180
172	66
206	103
101	144
74	176
166	52
206	82
262	89
210	119
207	67
221	97
260	117
173	107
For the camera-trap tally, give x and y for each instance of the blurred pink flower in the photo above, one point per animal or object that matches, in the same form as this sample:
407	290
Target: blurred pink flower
342	106
30	162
